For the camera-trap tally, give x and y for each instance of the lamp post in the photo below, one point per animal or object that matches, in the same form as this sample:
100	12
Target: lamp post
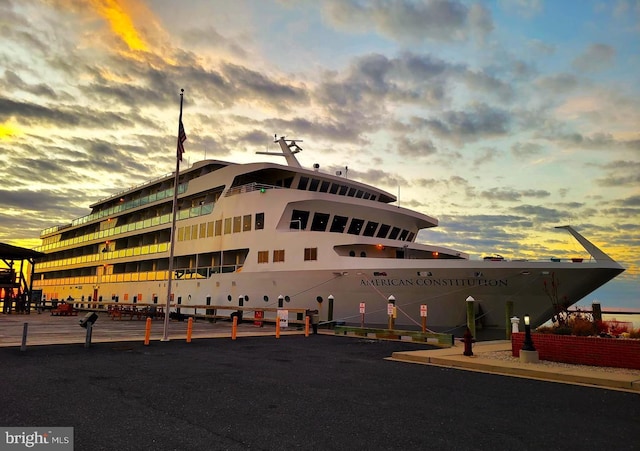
528	353
391	310
528	342
330	298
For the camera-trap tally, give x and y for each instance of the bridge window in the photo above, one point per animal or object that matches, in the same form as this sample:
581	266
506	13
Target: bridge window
320	221
339	223
394	233
384	230
356	226
324	187
302	184
314	185
299	219
403	235
370	229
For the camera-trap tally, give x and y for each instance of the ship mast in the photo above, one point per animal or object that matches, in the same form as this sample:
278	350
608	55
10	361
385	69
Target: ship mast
286	145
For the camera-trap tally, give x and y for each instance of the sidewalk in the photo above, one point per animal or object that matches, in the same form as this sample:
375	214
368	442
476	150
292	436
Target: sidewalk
485	360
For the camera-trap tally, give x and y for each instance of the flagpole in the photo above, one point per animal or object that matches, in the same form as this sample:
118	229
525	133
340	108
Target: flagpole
165	333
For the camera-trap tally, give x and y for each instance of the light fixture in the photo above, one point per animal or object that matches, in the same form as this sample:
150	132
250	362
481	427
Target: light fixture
528	342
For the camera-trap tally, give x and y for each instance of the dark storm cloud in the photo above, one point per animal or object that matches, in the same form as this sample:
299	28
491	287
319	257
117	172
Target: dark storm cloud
439	20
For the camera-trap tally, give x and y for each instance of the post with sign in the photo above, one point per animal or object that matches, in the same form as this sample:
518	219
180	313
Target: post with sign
362	310
423	315
391	307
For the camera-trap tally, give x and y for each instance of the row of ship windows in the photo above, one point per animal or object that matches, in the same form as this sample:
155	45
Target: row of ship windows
50	243
310	253
325	186
123	206
236	224
300	220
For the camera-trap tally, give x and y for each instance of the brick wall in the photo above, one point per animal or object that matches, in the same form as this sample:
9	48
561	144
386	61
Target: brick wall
596	351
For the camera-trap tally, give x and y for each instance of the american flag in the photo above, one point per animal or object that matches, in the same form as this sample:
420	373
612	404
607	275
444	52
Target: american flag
182	137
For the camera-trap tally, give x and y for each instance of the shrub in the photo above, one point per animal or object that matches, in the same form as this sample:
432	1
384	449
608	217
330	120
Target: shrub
582	327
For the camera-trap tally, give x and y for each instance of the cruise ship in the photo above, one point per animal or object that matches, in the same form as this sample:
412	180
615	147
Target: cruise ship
266	234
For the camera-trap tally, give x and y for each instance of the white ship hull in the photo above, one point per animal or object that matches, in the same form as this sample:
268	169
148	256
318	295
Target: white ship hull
263	230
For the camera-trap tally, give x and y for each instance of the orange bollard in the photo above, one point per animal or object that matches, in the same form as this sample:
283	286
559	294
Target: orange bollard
306	326
147	332
234	328
189	329
277	327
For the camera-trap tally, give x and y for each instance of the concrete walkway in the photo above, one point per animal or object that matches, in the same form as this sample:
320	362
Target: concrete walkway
485	360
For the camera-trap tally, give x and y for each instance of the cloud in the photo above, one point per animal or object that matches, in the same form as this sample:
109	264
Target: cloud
526	150
596	58
511	195
404	20
479	121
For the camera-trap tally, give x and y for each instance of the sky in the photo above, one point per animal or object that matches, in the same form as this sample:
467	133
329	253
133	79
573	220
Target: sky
503	119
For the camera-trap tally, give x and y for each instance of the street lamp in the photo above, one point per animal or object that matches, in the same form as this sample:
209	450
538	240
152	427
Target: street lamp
528	342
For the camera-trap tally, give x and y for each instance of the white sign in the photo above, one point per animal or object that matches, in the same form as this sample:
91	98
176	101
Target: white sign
283	317
390	307
362	307
423	310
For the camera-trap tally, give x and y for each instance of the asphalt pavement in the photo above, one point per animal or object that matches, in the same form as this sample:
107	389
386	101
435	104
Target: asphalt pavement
321	392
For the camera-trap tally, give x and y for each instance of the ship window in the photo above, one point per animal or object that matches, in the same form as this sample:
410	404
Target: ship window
370	229
324	187
373	197
187	233
259	221
334	188
219	227
352	192
203	230
263	256
384	229
194	232
367	195
314	185
394	233
310	253
278	255
237	224
403	235
338	224
209	229
343	190
410	237
299	219
287	182
356	226
227	226
246	223
359	194
302	184
320	221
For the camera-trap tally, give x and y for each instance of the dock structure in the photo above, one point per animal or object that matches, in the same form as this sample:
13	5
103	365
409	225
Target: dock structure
16	286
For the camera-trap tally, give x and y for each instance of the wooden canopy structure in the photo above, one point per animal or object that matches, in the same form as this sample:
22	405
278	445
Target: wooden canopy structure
15	286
